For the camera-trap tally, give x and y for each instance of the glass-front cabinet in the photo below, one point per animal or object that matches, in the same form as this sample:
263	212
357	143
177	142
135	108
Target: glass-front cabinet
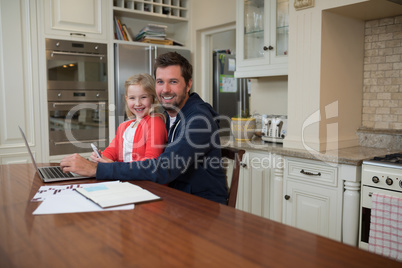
262	37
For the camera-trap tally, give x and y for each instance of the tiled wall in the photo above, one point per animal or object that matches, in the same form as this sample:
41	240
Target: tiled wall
382	92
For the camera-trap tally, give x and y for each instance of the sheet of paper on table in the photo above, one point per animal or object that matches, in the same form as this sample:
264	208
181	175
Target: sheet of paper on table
116	194
53	190
64	199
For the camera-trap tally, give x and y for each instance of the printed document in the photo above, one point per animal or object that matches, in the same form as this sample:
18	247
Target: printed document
110	195
58	199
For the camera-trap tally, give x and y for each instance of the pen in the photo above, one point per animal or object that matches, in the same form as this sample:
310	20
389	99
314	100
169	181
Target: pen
95	150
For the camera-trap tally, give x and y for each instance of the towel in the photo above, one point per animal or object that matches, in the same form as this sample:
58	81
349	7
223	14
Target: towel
386	226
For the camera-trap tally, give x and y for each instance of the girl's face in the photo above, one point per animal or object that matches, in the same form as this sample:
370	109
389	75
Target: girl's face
138	101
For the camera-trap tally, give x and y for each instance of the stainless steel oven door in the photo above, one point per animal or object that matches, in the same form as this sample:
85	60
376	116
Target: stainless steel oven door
74	125
77	71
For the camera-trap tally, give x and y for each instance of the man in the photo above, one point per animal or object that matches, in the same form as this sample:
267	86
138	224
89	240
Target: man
191	160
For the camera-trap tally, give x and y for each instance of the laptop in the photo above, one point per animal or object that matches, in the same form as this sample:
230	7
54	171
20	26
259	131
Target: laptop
52	173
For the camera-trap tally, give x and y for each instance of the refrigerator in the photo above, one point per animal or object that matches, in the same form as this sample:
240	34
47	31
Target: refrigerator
132	59
230	94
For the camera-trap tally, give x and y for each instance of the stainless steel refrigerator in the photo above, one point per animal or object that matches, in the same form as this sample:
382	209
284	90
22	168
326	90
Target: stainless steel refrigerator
132	59
230	94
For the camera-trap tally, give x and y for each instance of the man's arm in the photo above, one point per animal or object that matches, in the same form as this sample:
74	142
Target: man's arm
193	139
79	165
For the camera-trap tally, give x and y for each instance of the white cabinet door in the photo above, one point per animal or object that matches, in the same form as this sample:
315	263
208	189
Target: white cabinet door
19	87
262	37
255	189
312	209
313	197
77	19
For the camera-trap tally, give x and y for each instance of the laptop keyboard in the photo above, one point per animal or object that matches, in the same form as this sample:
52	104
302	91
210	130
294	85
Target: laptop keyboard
55	173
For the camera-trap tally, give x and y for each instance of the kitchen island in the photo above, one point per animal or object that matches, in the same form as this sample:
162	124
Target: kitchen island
180	230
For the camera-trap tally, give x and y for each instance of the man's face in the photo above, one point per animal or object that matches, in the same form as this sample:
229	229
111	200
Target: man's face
171	88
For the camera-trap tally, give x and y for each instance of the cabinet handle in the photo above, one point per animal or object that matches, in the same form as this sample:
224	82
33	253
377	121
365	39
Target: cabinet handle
310	173
287	197
268	48
81	34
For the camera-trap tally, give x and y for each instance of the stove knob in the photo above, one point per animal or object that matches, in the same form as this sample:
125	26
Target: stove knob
375	179
389	181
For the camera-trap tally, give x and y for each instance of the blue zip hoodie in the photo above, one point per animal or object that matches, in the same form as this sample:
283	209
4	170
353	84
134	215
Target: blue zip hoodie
191	161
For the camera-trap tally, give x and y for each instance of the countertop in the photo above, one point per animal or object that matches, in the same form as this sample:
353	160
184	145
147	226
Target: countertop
350	156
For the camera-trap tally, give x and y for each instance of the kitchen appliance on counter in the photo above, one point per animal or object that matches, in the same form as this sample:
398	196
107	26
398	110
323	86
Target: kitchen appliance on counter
382	175
274	128
230	94
132	59
77	90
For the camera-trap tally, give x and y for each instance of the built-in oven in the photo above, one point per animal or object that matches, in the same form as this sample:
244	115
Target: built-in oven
380	175
77	89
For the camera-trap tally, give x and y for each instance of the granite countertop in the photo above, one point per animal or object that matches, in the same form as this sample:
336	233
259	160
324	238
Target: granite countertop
350	156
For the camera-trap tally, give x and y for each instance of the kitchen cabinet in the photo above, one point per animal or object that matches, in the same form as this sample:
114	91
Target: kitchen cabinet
76	19
19	87
260	185
262	37
322	198
313	197
138	14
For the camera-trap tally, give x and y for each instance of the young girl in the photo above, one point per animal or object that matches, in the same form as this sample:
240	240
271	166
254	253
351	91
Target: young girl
144	135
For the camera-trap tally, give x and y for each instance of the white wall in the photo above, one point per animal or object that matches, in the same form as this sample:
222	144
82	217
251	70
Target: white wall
326	44
207	15
224	40
269	95
324	80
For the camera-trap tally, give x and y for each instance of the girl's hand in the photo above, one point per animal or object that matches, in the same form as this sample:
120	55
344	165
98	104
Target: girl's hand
94	158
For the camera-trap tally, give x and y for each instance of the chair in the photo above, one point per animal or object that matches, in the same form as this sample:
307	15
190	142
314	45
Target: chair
236	155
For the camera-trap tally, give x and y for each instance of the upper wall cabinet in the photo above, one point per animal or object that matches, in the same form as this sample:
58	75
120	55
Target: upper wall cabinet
76	19
262	37
134	15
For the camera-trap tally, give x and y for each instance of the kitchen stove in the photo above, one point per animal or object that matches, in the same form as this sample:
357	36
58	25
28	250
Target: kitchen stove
381	175
383	172
389	159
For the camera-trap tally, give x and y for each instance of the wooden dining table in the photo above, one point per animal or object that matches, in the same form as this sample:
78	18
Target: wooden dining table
179	230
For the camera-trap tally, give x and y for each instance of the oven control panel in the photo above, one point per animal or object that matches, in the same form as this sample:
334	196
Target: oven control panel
382	177
77	95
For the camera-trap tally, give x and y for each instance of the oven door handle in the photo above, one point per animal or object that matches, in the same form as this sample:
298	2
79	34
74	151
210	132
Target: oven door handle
76	54
74	103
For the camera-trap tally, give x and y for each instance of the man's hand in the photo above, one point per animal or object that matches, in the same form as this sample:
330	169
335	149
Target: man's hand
79	165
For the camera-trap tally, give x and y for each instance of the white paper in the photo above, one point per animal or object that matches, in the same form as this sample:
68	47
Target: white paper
72	203
109	195
48	191
232	65
57	199
228	83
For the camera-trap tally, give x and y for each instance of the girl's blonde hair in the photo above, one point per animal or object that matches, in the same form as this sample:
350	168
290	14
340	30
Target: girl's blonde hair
147	83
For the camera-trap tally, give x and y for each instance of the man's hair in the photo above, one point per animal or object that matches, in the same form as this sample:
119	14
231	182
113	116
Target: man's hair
174	58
